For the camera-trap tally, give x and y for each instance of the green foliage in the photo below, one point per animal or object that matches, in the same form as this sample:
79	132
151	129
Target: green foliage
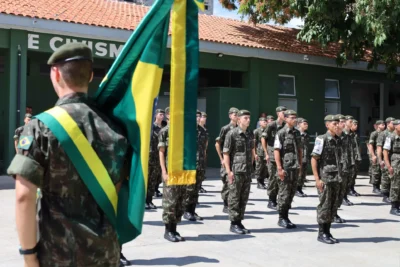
363	29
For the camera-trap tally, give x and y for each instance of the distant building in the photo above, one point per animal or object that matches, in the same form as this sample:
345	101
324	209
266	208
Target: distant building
208	5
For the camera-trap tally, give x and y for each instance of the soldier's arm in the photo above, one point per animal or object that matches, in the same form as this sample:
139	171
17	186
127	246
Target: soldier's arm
264	146
228	146
371	147
314	166
379	155
162	161
218	148
387	161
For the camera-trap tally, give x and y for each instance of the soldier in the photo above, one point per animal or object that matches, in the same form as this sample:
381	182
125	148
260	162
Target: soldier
357	157
325	166
379	144
373	162
203	121
238	158
288	157
391	153
270	119
70	217
261	163
347	131
369	157
269	136
154	160
305	140
19	130
193	192
219	143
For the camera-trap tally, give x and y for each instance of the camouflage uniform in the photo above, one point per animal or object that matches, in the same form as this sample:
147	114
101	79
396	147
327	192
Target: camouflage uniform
385	189
154	163
70	218
357	159
239	146
305	141
18	132
392	144
344	171
375	168
352	158
261	170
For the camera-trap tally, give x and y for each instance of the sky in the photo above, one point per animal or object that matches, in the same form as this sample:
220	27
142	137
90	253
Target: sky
222	12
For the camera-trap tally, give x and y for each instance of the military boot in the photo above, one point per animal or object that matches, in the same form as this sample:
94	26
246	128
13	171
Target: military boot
188	215
196	216
290	224
123	261
235	228
386	198
225	209
395	208
347	202
272	203
169	234
260	184
177	235
282	222
299	192
353	192
246	231
150	203
147	205
328	231
323	236
376	189
337	219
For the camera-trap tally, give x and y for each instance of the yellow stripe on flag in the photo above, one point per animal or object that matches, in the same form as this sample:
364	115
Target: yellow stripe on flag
87	152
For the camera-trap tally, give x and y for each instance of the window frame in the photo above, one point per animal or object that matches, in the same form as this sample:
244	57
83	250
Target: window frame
334	100
294	84
338	84
290	99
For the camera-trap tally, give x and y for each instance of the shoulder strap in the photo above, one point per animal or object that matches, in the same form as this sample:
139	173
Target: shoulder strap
84	158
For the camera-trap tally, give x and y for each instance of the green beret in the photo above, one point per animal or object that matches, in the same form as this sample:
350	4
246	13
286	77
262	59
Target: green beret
396	122
379	122
233	110
203	114
28	115
290	112
355	121
167	110
390	119
349	117
160	111
300	120
198	112
331	118
269	117
340	117
262	119
71	52
281	108
243	112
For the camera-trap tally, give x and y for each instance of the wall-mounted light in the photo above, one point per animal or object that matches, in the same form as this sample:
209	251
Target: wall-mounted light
306	58
220	55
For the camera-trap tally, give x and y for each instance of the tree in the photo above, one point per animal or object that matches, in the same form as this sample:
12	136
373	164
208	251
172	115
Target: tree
363	29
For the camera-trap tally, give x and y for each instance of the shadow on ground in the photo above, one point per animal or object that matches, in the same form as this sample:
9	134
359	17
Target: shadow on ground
218	237
183	261
368	239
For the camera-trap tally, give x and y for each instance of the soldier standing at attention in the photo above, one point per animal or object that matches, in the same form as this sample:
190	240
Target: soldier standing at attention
391	153
70	216
193	191
385	181
325	166
238	158
269	136
302	126
357	157
219	143
203	121
19	130
347	131
288	157
261	164
154	160
373	160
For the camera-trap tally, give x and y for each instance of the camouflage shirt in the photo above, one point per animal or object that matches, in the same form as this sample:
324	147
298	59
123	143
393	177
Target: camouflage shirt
18	132
224	131
257	137
328	153
382	137
202	140
352	147
269	136
154	158
163	139
287	141
239	145
373	138
305	142
346	152
356	146
392	144
74	231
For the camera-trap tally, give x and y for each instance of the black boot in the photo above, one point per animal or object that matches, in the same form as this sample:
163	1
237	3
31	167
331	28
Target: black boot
395	208
272	203
149	201
157	192
300	192
235	228
260	184
328	231
169	234
347	202
290	224
123	261
177	235
188	215
323	236
337	219
354	192
386	198
225	209
196	216
146	206
376	189
246	231
282	222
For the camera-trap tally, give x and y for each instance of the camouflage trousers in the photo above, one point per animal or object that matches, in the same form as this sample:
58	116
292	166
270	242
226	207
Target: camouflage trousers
386	183
154	177
375	174
395	187
287	189
352	174
225	187
239	192
327	207
272	190
193	191
302	175
343	187
175	198
261	170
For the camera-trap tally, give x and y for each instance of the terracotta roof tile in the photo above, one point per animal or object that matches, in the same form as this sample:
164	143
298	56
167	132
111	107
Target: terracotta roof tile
123	15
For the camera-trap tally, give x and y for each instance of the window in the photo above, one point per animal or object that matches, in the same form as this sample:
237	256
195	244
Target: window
332	107
287	85
289	103
332	89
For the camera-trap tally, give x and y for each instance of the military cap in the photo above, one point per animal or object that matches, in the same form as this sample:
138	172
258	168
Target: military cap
28	115
340	117
203	114
300	120
269	117
262	119
349	117
160	111
379	122
281	108
390	119
331	118
167	110
290	112
198	112
355	121
70	52
396	122
243	112
233	110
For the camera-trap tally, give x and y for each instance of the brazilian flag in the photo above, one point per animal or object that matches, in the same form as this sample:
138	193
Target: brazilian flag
128	95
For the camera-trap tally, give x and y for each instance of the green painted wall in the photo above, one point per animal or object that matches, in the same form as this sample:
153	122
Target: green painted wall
4	111
4	39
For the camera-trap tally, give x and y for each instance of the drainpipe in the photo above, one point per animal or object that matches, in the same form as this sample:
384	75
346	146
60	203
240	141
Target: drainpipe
18	87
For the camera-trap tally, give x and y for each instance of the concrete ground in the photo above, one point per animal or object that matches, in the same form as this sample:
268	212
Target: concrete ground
371	236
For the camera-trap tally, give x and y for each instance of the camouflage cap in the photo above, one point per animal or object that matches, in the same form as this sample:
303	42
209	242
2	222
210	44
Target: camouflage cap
167	110
396	122
269	117
262	119
160	111
340	117
390	119
349	117
243	112
28	115
355	121
290	112
379	122
71	52
281	108
233	110
198	112
331	118
301	120
203	114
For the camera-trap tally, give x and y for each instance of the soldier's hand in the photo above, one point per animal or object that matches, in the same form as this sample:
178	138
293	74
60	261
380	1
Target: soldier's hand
374	160
320	185
231	177
382	164
391	170
222	163
281	174
256	157
165	177
267	158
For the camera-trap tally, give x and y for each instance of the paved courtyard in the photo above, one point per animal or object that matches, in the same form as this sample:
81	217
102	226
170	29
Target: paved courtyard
371	236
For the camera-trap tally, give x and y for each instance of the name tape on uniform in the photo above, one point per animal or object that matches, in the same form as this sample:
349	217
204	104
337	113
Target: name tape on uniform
319	144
